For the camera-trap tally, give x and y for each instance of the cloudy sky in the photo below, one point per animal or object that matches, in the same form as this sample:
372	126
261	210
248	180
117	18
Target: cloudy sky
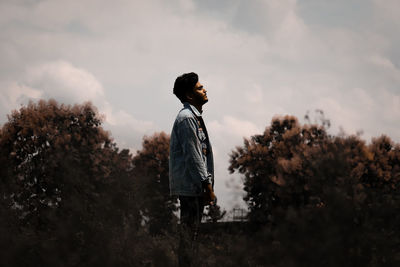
256	58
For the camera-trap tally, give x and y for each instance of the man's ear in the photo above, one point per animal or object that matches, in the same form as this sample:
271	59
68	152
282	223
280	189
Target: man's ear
189	96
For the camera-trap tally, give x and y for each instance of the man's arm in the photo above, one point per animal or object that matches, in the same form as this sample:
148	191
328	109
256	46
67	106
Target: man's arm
193	151
209	195
194	157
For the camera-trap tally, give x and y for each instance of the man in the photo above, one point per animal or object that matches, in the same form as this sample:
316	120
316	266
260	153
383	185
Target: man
191	167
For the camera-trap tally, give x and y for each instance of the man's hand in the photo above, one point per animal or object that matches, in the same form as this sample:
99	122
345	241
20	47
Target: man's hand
209	196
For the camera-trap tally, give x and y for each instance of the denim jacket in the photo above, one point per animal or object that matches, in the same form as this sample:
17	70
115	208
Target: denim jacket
189	166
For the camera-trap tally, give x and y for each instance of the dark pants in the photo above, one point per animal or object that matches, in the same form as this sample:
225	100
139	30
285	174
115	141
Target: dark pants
191	214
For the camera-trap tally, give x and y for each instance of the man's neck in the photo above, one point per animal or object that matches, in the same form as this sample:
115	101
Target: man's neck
199	107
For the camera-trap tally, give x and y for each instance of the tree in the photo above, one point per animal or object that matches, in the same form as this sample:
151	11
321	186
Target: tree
322	199
66	186
152	163
270	160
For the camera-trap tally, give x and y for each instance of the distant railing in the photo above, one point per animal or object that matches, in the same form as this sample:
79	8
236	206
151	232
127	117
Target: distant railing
235	215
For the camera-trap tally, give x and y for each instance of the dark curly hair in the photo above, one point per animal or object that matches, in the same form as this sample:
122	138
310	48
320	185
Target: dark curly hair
184	84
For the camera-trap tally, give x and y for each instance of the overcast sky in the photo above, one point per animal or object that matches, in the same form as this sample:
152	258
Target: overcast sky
256	58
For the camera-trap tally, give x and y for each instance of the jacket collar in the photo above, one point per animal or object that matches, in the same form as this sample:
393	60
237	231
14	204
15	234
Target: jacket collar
193	108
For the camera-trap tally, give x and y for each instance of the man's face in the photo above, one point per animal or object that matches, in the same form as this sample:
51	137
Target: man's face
199	94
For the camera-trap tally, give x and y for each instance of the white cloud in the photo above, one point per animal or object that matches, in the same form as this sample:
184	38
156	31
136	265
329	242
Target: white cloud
126	129
14	94
256	59
388	10
225	135
229	132
65	82
255	95
348	111
68	84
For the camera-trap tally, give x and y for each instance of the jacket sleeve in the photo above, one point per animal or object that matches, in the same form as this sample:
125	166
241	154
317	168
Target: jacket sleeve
192	150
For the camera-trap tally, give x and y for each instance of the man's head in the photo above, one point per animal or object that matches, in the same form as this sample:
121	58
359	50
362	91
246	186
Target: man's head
188	89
